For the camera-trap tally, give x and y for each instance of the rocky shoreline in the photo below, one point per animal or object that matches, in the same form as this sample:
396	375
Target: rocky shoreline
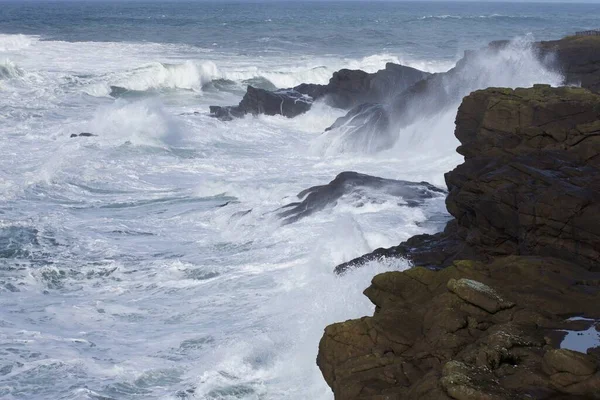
484	312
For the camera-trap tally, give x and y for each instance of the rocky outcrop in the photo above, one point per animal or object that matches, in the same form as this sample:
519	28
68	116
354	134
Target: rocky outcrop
530	183
346	89
361	188
471	331
577	57
288	103
521	257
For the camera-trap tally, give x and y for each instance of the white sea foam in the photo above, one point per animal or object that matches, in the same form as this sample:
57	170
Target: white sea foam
515	65
143	122
16	42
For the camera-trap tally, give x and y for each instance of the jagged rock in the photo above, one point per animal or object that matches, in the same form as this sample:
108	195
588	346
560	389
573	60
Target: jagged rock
288	103
363	189
350	88
426	342
577	57
530	184
346	89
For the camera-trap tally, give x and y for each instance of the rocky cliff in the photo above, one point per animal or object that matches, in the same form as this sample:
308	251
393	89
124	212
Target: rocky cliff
526	203
577	57
530	183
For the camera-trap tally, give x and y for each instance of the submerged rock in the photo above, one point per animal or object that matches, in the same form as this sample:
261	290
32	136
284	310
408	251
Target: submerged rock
82	134
360	187
530	183
470	331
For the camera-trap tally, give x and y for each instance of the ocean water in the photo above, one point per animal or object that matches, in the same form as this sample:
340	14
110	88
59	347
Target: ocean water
148	262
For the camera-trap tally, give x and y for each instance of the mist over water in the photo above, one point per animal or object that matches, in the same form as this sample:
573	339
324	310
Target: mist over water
149	261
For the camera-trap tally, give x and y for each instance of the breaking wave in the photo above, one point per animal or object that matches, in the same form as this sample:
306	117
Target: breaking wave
416	126
196	75
16	42
9	70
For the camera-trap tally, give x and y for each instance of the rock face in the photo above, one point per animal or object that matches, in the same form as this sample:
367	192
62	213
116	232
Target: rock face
350	88
577	57
346	89
360	188
530	183
521	257
471	331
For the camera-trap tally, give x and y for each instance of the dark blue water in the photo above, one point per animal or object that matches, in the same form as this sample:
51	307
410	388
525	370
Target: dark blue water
349	28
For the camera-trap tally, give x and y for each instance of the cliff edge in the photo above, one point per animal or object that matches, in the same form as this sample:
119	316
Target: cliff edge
522	267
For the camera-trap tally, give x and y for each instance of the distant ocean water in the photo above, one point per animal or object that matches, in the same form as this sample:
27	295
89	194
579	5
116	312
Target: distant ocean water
147	262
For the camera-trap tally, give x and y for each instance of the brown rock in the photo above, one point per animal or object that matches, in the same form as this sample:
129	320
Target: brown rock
479	295
562	360
469	331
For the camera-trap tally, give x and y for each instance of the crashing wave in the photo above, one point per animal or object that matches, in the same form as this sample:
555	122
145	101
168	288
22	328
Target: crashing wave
16	42
9	70
368	130
196	75
189	75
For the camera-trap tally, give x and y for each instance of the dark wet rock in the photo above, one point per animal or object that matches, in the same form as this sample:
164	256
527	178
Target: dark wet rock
350	88
346	89
470	331
226	113
431	251
530	184
288	103
82	134
360	188
577	57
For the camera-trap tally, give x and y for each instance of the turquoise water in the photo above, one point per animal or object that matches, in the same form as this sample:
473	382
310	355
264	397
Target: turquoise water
148	262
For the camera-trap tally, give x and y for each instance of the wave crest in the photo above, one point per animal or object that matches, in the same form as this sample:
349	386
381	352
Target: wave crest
9	70
16	42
